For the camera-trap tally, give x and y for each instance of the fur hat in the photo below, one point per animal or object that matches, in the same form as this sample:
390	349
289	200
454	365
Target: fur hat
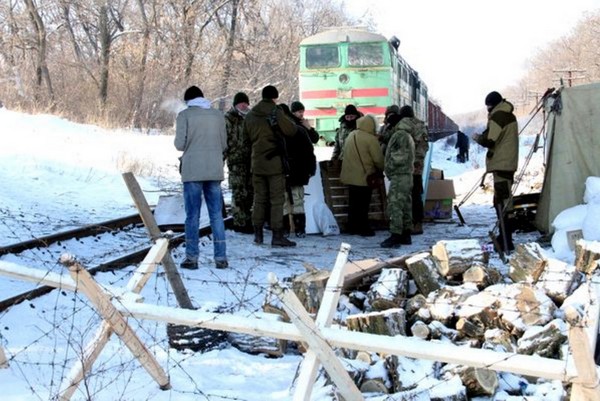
406	111
270	92
240	97
493	99
297	106
192	93
351	109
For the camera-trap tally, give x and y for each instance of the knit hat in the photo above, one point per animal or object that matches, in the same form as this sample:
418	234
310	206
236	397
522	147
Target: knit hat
270	92
351	109
297	106
240	97
406	111
392	109
192	93
493	99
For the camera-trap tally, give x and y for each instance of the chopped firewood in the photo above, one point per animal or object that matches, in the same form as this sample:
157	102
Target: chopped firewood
309	287
420	330
527	263
457	256
558	280
390	322
587	255
389	291
478	275
543	341
424	269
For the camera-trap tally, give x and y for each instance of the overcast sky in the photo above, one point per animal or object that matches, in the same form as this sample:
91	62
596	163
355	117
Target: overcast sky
464	49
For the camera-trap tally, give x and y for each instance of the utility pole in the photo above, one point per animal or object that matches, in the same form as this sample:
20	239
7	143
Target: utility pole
570	76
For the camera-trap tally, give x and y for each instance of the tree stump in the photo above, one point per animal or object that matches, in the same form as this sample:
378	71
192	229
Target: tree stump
389	291
390	322
424	269
456	256
587	254
527	263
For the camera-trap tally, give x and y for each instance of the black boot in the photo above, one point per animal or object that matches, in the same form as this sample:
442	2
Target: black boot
258	235
279	239
286	226
405	238
300	225
393	241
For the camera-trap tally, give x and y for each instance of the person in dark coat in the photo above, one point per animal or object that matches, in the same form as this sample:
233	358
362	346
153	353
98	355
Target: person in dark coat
297	109
303	164
462	144
347	125
501	137
266	126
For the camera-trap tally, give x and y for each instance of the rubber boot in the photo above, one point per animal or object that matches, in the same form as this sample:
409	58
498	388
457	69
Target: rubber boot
279	239
258	235
393	241
300	225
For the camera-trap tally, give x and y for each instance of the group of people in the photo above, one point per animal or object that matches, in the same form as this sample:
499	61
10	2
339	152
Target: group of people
270	158
398	149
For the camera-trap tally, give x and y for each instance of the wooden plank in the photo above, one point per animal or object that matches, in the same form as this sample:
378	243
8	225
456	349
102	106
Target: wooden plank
529	365
311	335
171	271
355	271
3	360
104	332
117	322
310	364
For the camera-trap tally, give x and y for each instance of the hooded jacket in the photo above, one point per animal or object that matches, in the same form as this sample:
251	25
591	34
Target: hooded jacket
361	145
266	146
238	144
200	134
501	137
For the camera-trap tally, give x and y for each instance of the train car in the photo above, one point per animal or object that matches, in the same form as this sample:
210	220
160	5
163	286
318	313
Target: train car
342	66
438	123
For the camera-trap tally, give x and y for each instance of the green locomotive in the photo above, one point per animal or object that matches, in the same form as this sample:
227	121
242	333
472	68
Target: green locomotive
342	66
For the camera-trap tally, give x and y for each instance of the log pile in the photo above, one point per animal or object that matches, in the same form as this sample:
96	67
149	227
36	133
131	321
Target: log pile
451	294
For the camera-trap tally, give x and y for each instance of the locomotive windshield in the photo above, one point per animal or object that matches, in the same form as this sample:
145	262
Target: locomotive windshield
365	54
322	56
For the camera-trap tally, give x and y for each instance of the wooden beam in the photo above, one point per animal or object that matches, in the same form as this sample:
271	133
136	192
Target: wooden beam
310	364
311	334
117	322
529	365
171	271
104	332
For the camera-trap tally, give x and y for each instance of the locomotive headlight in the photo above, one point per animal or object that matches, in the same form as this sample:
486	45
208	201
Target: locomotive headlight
344	78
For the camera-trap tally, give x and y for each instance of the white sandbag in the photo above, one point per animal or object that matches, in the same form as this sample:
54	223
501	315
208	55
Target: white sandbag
571	218
590	226
560	245
325	219
592	190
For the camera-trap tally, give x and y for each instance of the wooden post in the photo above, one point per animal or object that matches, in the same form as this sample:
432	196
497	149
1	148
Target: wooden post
312	335
3	360
115	319
310	364
181	294
104	332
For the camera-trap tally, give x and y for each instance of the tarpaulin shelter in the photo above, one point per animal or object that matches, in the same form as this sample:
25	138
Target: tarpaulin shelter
572	150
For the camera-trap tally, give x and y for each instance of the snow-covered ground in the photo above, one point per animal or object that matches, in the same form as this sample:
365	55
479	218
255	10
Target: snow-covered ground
56	175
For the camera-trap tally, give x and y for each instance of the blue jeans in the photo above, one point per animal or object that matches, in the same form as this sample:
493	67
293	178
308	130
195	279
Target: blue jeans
192	196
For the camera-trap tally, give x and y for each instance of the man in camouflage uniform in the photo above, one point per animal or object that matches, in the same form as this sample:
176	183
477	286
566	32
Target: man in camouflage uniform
399	166
387	129
239	149
421	141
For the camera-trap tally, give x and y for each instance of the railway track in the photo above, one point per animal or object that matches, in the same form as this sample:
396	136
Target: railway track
111	226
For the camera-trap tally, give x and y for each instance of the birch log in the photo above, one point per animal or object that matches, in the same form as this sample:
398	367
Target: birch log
389	291
424	269
527	263
309	288
390	322
456	256
587	255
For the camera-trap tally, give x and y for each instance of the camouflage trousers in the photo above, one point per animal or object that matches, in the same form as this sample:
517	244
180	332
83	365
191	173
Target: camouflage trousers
242	194
297	206
399	203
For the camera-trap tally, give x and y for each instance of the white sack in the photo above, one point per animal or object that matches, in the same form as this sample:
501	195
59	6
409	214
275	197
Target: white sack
325	219
560	245
591	223
592	190
571	218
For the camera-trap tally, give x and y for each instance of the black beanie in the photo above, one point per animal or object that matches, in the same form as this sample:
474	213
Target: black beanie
392	109
351	110
297	106
192	93
240	97
406	111
270	92
493	99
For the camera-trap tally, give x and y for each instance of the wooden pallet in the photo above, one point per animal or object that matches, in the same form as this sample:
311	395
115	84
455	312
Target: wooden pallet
336	197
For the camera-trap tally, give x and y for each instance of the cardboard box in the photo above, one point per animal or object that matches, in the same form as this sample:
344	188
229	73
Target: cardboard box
438	203
436	174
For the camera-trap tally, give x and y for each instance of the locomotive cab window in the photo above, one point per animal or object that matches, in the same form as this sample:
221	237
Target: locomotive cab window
365	54
322	57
